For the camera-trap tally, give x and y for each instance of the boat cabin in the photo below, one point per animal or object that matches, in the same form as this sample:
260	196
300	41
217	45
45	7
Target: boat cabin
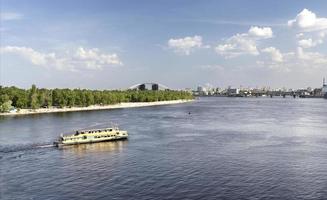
93	131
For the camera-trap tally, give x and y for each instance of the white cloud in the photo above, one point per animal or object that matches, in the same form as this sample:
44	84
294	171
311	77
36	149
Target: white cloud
91	59
94	59
298	61
307	43
245	43
308	21
6	16
264	32
312	29
322	34
313	58
30	54
299	35
275	54
237	45
185	45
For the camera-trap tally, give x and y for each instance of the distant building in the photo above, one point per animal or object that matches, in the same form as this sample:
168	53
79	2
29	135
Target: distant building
324	87
233	91
317	92
149	86
155	87
202	90
142	87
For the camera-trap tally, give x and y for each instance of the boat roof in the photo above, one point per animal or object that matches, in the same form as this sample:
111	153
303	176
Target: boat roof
96	129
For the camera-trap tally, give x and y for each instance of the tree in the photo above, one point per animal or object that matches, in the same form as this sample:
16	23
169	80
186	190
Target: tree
6	106
33	100
89	98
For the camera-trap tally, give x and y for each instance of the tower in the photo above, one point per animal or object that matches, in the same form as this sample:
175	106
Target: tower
324	88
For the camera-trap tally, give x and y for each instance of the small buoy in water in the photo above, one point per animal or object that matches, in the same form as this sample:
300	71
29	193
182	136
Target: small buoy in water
189	113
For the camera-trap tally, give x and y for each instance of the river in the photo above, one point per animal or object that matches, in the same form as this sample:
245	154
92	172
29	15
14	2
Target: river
212	148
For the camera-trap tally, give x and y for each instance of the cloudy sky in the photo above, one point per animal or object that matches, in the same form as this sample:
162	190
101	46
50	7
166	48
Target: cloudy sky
116	44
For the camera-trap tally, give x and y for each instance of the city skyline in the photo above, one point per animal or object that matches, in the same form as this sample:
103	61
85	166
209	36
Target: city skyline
116	44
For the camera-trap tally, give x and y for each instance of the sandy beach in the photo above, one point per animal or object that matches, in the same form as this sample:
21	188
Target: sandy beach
94	107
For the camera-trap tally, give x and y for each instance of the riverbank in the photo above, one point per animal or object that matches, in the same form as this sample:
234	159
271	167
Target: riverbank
93	107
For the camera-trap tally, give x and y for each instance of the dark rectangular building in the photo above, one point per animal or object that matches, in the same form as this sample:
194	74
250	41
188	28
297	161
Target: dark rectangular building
155	87
142	87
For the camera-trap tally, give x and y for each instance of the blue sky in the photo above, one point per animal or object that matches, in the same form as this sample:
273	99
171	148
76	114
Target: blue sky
116	44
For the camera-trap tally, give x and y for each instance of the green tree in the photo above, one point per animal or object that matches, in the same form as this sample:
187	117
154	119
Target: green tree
89	98
33	98
6	106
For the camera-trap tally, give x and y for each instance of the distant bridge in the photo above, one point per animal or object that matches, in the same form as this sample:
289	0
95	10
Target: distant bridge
149	86
299	93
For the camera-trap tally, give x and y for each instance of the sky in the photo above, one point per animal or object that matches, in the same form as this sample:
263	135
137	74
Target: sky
105	44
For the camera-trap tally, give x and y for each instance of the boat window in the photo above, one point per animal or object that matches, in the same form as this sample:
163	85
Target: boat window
110	129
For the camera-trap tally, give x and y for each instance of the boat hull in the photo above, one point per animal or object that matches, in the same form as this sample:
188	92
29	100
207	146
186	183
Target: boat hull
60	144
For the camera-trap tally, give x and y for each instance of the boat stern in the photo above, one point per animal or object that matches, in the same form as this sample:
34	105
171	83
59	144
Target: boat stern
59	142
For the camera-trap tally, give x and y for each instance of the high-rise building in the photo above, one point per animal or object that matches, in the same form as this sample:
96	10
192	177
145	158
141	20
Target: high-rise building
324	88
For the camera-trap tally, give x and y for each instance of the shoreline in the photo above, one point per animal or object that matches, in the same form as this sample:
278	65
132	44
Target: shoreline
94	107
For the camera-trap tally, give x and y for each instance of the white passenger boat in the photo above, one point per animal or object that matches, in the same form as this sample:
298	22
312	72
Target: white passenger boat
90	136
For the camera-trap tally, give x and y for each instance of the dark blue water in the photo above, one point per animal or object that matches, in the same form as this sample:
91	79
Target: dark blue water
227	148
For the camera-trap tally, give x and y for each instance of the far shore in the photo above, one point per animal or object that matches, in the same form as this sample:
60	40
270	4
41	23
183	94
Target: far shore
93	107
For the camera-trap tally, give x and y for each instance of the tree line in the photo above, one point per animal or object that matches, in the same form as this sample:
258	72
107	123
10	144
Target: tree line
34	98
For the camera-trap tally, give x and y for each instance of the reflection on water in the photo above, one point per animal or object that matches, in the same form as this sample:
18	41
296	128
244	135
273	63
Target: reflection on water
81	149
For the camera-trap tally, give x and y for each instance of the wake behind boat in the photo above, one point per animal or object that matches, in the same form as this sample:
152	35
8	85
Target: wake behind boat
90	136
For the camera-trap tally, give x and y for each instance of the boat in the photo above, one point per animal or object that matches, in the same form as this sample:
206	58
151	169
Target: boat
90	136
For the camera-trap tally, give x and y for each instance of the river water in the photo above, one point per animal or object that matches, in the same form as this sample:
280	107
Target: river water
226	148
